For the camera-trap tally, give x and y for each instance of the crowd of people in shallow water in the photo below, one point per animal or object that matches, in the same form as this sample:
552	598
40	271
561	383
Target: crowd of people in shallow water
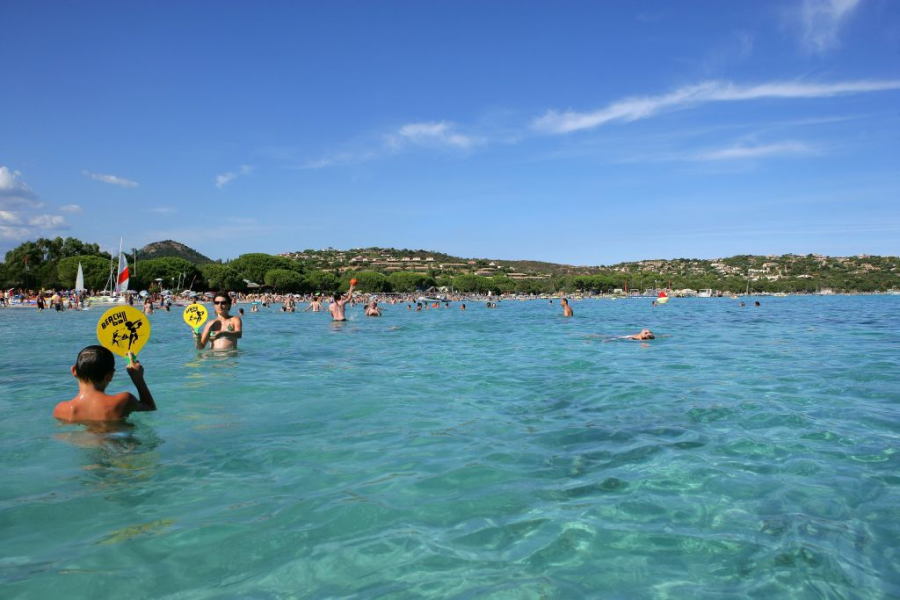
95	365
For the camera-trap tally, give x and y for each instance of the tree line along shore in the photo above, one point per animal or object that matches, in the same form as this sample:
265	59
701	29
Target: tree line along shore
53	264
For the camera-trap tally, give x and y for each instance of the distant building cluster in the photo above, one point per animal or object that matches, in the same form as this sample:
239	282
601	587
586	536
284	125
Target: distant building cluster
771	268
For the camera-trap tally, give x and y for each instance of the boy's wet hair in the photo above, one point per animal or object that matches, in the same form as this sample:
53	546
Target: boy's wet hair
94	364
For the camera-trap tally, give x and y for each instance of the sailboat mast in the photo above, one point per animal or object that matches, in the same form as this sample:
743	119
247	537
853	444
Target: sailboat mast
110	283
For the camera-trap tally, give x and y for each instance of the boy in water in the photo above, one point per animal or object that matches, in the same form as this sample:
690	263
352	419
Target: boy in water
315	305
223	332
567	310
94	369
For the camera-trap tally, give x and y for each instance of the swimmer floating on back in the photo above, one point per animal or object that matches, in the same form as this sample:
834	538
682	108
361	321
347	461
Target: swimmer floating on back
645	334
642	336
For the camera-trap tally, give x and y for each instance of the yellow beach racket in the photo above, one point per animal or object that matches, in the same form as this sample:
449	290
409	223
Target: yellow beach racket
123	329
195	315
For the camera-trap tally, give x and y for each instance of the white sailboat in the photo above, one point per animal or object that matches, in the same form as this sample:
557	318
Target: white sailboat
80	289
79	280
117	285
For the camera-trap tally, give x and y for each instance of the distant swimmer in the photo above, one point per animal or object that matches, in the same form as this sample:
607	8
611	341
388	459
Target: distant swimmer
372	309
336	308
463	307
223	332
94	369
567	310
315	305
645	334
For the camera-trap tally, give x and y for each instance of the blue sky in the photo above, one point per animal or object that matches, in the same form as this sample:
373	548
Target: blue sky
578	132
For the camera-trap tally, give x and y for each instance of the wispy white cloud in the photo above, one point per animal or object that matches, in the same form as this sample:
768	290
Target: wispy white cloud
226	178
163	210
433	135
643	107
17	200
14	233
111	179
429	134
820	22
15	193
9	217
743	151
340	158
71	208
49	222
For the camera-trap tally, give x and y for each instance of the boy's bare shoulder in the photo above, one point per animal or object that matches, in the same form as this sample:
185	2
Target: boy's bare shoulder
65	410
103	407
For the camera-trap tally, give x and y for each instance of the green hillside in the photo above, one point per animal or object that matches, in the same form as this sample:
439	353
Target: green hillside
172	249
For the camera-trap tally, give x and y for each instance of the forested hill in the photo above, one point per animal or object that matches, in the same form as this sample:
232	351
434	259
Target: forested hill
172	249
53	264
788	272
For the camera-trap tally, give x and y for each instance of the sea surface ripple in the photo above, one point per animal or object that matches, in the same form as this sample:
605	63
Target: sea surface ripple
747	452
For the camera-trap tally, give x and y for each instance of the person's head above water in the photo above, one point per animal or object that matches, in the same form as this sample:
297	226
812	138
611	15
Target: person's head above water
222	301
95	365
646	334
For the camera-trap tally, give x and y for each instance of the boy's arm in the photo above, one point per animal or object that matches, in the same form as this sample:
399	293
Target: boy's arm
145	398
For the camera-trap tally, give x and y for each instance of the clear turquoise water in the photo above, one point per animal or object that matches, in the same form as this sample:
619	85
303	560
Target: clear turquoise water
504	453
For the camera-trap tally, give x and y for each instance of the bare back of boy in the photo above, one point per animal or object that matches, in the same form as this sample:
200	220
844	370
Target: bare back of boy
93	403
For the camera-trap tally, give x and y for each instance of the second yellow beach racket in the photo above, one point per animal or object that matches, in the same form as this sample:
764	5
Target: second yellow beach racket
195	315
